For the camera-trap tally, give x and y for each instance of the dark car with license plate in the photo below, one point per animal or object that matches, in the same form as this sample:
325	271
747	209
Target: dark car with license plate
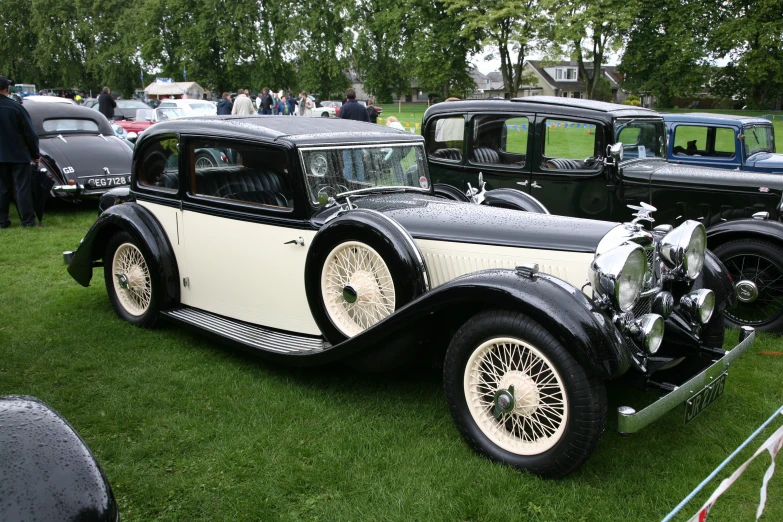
592	159
724	141
79	150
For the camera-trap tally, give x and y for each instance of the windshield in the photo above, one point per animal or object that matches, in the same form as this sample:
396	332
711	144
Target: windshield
759	138
641	138
131	104
335	170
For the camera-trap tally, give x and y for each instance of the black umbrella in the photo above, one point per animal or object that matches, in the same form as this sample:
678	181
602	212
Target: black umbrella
42	183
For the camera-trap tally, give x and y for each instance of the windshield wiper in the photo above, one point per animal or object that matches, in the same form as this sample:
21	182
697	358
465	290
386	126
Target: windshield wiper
383	189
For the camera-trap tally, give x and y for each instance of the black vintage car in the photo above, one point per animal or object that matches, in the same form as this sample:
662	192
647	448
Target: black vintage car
47	472
79	150
320	240
592	159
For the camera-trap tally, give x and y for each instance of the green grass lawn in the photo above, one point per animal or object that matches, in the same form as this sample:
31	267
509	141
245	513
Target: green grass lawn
189	430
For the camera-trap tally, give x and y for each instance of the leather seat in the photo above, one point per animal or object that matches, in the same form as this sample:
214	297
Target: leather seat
485	155
245	184
447	154
565	164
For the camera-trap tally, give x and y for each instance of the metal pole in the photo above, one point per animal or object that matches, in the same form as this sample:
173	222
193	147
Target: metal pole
722	465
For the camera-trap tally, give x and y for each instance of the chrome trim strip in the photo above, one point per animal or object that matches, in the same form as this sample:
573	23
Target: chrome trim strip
631	421
254	336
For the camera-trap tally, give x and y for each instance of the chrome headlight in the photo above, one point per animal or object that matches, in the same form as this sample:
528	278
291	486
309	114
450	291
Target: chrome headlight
699	305
618	274
651	332
683	248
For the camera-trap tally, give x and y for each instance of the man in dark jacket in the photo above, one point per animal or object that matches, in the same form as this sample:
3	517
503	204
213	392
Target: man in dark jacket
372	114
18	147
353	159
266	102
106	104
351	110
292	105
224	106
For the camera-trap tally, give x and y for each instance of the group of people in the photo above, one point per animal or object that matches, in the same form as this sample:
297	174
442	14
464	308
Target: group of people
265	103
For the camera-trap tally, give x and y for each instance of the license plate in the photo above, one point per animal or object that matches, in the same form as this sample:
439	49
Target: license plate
110	181
700	401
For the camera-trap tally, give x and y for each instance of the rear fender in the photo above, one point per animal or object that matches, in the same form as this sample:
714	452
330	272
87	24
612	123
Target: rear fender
143	227
564	311
513	199
744	229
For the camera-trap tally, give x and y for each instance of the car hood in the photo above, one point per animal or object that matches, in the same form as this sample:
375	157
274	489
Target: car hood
429	217
658	170
766	161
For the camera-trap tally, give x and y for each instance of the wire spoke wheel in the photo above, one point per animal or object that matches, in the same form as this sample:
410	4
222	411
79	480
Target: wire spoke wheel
759	282
516	396
204	161
131	277
357	287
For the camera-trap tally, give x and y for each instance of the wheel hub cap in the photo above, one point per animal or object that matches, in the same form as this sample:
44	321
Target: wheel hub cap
747	291
525	396
363	288
122	280
349	294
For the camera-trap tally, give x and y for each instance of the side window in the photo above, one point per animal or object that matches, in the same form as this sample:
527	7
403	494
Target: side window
690	140
446	138
499	140
245	173
725	146
160	165
570	145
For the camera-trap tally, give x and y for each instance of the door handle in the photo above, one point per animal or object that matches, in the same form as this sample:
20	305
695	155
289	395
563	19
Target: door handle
535	185
298	241
523	183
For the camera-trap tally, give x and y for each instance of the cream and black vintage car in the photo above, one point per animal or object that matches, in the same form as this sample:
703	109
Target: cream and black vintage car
319	240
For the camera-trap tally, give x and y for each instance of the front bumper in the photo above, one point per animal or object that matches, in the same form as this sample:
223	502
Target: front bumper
68	189
631	421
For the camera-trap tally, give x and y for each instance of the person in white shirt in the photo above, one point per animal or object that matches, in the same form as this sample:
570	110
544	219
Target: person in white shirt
394	123
243	105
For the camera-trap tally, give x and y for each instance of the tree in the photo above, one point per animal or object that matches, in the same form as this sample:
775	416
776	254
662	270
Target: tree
666	50
509	26
751	35
17	40
588	30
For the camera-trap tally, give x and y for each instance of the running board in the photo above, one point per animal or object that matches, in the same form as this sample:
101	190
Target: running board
249	335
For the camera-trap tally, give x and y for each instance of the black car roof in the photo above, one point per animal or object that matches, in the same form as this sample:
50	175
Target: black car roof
40	111
300	131
569	106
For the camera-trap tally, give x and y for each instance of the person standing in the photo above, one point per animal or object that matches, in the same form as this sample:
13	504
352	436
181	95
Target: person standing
266	102
106	104
282	107
372	114
291	104
351	110
353	159
18	148
243	105
224	106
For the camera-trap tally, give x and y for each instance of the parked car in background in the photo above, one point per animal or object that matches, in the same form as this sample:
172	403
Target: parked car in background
333	103
24	89
79	150
126	109
47	99
325	242
48	472
324	111
191	107
146	117
723	141
592	159
378	108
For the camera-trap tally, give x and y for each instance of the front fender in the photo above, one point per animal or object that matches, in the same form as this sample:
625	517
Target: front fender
743	229
142	226
573	319
514	199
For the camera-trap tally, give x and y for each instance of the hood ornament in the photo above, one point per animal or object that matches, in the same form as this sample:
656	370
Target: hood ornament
106	171
643	213
477	195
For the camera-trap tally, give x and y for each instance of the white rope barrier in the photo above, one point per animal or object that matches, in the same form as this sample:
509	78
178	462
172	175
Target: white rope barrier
772	445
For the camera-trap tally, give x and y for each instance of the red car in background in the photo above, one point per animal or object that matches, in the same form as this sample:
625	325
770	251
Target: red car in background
147	117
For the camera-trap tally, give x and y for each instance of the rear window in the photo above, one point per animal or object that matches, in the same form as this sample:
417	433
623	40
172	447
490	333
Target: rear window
131	104
69	125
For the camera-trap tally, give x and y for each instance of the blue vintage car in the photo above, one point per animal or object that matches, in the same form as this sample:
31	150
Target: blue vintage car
724	141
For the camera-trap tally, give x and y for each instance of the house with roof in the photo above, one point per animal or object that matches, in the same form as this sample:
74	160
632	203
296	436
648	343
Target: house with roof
167	88
550	79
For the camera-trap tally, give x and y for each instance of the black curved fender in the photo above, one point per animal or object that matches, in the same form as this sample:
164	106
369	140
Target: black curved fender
513	199
113	197
445	191
48	472
742	229
141	225
573	319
